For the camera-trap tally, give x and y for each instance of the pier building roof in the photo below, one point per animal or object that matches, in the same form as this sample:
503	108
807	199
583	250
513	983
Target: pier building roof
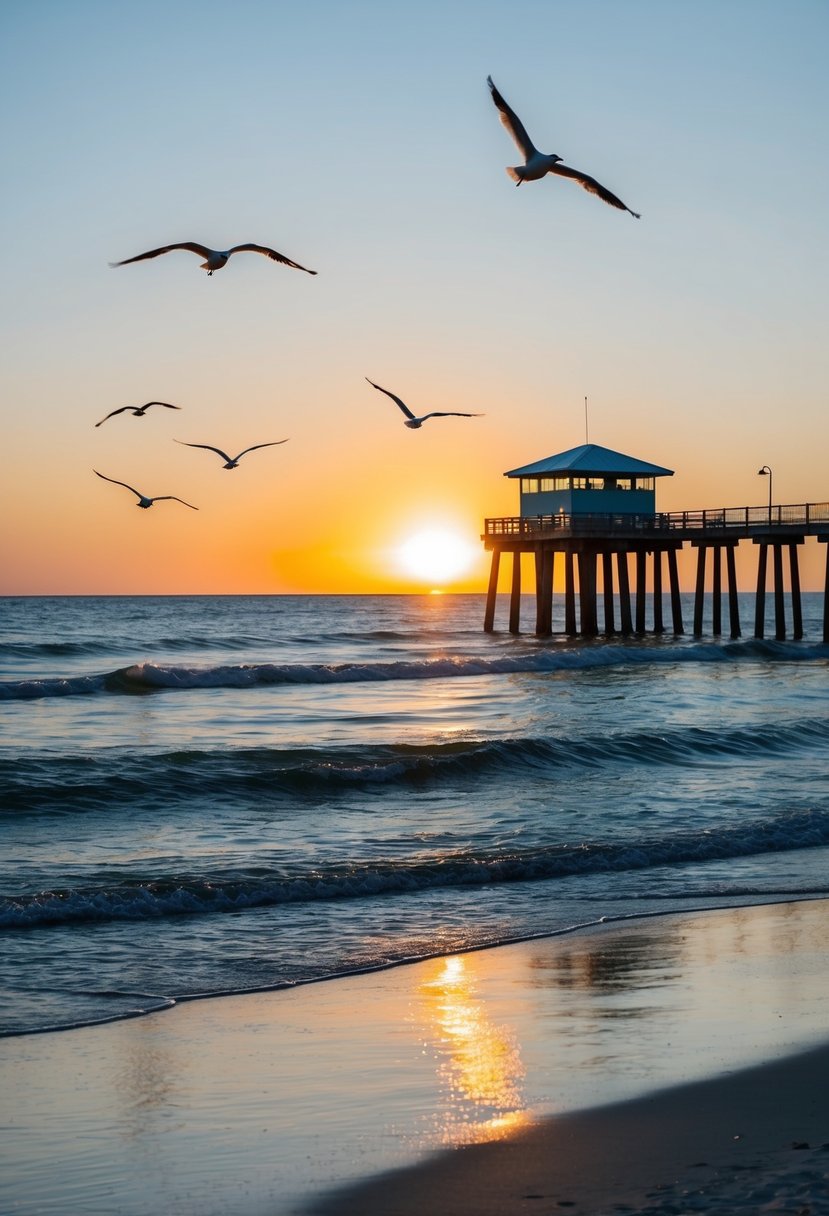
590	458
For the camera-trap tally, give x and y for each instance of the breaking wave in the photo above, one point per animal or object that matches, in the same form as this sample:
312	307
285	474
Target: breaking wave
146	678
266	886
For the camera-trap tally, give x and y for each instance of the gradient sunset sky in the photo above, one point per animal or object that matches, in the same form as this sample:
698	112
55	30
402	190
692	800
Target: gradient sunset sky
358	137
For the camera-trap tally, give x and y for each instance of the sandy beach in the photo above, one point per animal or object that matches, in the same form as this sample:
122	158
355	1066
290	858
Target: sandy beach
754	1141
662	1065
748	1140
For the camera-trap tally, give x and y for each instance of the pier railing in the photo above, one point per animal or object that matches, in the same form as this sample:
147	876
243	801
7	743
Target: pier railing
745	521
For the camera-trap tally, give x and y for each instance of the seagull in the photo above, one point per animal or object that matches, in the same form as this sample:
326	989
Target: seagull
143	501
537	164
232	461
413	422
138	410
215	259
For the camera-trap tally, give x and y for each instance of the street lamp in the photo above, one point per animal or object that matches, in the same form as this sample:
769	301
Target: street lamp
766	472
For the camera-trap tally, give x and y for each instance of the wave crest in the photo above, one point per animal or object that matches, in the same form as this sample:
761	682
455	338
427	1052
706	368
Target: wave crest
198	894
148	677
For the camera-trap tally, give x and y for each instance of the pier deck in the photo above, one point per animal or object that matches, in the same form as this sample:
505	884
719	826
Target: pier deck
581	541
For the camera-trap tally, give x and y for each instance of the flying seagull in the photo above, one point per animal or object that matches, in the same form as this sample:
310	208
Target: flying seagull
537	164
138	410
232	461
215	259
143	501
411	420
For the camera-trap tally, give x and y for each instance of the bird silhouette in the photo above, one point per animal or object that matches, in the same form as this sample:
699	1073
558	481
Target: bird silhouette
215	259
232	461
143	500
411	420
138	410
538	164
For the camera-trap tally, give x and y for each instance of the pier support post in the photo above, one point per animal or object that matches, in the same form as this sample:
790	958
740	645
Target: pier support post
492	590
607	592
539	581
641	571
760	597
569	595
587	594
515	594
700	590
626	621
658	623
676	602
825	541
733	603
794	578
779	603
716	605
544	602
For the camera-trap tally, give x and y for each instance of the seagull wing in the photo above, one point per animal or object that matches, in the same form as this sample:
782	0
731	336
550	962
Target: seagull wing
269	253
512	122
207	447
165	497
137	493
112	415
594	187
192	246
166	405
275	444
397	400
449	414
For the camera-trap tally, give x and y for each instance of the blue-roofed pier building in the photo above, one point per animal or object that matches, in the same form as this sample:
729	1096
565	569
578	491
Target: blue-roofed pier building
588	480
594	509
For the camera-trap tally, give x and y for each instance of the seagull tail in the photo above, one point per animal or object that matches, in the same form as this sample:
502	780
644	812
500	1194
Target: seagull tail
516	175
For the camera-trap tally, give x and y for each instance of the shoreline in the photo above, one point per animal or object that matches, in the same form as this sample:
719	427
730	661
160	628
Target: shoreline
604	924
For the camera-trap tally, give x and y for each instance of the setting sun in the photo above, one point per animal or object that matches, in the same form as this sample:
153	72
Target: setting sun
436	556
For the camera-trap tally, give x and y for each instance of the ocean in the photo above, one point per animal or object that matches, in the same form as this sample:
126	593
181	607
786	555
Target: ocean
212	795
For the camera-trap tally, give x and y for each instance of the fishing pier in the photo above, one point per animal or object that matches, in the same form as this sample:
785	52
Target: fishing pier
593	510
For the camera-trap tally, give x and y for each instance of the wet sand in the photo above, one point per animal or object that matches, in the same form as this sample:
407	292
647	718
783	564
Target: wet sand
756	1141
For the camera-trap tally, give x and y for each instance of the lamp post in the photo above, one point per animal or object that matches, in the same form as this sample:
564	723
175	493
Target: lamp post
766	472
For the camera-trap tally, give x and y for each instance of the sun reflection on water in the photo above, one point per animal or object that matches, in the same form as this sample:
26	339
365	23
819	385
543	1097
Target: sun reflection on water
479	1063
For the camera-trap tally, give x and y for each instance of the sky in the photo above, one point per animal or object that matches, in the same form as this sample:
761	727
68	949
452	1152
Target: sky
358	138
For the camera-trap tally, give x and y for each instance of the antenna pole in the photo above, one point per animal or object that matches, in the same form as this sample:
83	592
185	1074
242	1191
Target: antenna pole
586	437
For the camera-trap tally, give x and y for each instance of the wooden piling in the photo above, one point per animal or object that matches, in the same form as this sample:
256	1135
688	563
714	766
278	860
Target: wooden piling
733	602
641	572
569	595
587	593
779	602
699	595
716	591
794	579
515	594
607	592
544	611
626	620
658	623
760	596
492	591
676	602
825	540
538	554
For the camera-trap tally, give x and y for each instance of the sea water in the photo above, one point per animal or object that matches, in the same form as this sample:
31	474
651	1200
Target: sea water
205	795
